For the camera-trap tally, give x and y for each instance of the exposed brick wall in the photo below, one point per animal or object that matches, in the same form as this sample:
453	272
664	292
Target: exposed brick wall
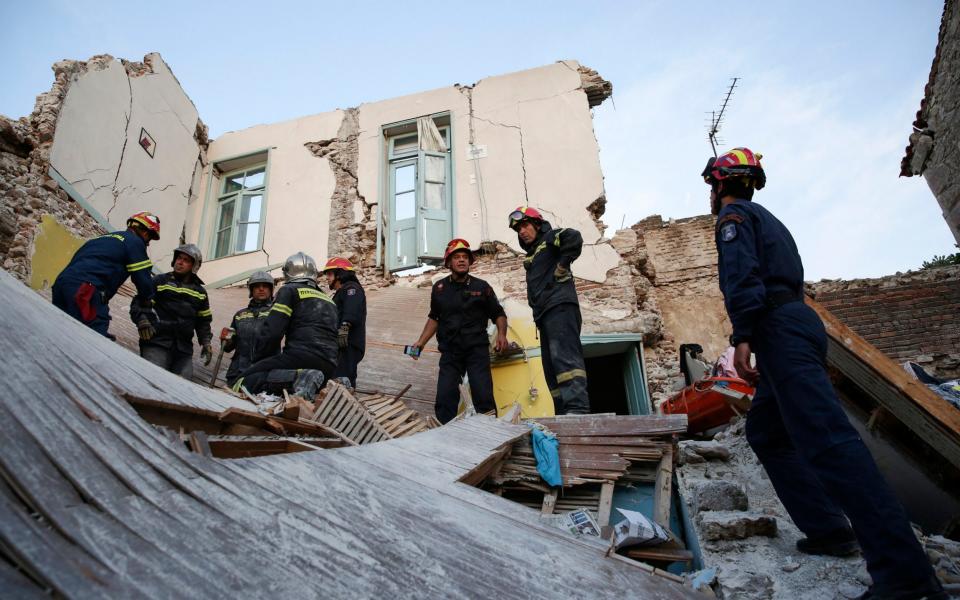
683	257
915	316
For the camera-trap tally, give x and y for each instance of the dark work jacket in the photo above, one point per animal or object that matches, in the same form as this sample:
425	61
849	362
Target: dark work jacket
306	318
461	310
180	309
551	247
107	261
247	324
352	308
757	260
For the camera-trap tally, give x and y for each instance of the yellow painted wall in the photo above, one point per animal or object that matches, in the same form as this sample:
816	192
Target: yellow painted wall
53	247
514	379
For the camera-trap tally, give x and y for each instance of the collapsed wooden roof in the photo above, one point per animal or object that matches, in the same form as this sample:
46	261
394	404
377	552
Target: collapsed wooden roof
395	317
96	502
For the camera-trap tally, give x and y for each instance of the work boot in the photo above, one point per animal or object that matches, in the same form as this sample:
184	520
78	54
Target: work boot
308	384
929	590
839	542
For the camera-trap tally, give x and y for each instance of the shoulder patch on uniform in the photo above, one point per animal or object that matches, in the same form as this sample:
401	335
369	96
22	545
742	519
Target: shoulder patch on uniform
440	286
351	292
728	232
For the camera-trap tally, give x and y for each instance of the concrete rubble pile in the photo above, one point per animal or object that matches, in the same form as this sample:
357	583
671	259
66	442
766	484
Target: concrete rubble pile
747	539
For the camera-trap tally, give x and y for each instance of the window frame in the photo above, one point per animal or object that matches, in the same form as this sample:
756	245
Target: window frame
223	197
391	157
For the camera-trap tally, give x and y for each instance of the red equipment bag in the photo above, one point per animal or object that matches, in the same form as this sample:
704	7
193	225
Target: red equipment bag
83	297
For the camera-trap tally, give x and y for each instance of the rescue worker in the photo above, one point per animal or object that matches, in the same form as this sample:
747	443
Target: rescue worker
180	309
246	324
98	269
352	313
460	306
307	319
819	466
552	295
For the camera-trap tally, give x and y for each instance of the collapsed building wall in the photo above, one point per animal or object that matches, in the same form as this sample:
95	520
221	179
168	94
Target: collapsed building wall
934	148
911	316
332	184
111	138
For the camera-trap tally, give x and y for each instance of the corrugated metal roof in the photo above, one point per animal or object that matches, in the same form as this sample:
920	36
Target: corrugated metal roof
97	503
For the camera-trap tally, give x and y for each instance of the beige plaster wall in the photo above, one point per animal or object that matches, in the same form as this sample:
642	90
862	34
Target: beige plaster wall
299	186
536	126
96	149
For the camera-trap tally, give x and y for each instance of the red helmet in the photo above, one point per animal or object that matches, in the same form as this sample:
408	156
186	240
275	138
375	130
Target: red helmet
524	213
337	263
739	162
457	245
149	221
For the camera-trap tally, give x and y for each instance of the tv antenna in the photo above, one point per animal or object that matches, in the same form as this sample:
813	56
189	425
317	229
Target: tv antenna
716	117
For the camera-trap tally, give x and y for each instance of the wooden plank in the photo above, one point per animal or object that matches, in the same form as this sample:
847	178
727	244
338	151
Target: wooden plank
549	501
198	443
663	489
591	425
925	413
657	554
606	502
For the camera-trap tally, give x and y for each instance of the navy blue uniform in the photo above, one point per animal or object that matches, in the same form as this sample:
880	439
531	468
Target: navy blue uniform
819	466
462	310
179	310
351	308
306	319
246	325
556	311
95	273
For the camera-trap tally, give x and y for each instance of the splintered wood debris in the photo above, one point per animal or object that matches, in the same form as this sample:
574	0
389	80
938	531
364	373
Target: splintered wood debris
98	503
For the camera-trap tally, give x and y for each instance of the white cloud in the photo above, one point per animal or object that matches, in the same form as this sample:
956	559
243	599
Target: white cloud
832	157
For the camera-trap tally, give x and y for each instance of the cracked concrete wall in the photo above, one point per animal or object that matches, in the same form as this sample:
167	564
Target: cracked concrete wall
537	128
96	145
297	208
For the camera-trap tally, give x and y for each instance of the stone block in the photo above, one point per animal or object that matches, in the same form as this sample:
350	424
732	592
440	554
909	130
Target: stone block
735	525
705	450
743	584
718	495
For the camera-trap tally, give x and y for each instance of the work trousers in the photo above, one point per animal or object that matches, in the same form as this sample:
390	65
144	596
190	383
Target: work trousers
255	378
475	362
350	358
169	358
65	298
816	461
562	357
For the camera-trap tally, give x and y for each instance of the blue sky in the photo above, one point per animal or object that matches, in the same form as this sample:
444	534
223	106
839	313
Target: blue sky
829	89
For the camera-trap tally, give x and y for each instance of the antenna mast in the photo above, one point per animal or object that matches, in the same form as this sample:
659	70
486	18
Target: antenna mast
716	117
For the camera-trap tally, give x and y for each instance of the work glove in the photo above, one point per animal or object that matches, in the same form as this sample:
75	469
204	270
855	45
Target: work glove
343	335
561	274
206	353
146	329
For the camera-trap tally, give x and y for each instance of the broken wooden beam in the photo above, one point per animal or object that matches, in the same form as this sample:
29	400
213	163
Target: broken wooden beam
922	411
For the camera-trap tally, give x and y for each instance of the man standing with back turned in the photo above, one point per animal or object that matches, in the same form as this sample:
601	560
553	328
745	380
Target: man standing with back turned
819	466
